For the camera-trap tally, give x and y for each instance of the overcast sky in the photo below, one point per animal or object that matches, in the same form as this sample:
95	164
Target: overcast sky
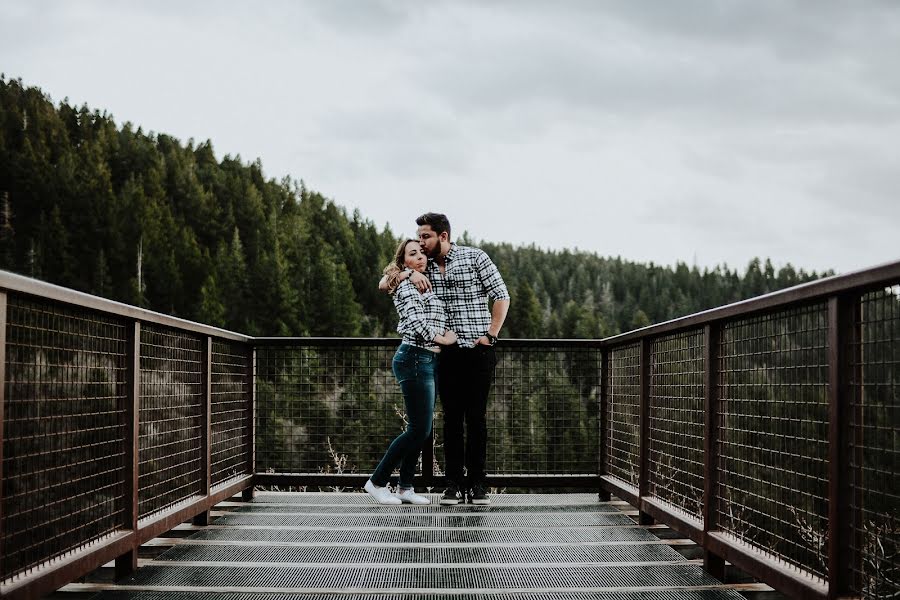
699	131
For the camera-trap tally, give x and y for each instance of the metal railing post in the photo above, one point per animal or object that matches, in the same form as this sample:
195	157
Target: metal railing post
206	437
126	564
713	563
604	494
644	429
842	312
247	494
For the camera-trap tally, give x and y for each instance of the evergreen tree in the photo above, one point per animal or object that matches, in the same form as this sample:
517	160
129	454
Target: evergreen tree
56	251
102	284
640	319
525	318
212	311
231	275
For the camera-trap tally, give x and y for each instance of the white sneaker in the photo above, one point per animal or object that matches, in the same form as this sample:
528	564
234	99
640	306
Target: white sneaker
411	497
381	494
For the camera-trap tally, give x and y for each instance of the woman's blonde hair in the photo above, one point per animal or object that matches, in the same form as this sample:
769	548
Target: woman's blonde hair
394	268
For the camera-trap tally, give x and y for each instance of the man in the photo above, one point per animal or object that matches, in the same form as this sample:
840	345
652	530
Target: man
463	278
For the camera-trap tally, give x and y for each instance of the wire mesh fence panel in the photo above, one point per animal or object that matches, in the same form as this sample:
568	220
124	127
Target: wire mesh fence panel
875	445
231	409
335	409
773	435
677	421
326	409
171	418
543	410
623	414
63	432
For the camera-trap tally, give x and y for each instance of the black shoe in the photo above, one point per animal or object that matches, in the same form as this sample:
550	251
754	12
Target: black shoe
451	495
478	495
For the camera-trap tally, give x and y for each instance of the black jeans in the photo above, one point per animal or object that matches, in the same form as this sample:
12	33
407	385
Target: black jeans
464	381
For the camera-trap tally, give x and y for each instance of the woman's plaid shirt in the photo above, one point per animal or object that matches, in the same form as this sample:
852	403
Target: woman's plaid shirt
469	279
422	316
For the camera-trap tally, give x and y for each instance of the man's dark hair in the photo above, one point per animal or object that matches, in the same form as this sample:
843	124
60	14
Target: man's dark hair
438	222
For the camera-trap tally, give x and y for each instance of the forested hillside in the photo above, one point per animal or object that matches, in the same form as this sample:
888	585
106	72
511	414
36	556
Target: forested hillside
144	218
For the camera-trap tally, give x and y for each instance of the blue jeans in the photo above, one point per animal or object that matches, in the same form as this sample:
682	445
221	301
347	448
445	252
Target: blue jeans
415	369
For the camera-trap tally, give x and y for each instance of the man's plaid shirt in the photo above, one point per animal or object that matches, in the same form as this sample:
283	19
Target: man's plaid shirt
422	316
469	279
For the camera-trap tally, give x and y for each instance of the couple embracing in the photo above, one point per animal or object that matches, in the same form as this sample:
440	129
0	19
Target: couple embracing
440	290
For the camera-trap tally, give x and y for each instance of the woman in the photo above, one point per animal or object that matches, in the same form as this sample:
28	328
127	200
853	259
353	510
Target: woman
423	324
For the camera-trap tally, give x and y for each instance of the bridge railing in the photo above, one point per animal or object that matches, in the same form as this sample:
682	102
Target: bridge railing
767	431
117	424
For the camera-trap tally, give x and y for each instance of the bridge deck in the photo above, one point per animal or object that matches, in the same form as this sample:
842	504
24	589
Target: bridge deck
343	545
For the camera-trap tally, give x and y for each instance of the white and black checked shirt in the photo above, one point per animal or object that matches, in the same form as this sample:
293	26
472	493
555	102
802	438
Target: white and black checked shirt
422	316
469	279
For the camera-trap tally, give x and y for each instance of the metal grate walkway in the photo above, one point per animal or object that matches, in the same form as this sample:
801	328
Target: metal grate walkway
342	545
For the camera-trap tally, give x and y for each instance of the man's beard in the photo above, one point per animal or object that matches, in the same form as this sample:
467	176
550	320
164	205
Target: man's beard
434	252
